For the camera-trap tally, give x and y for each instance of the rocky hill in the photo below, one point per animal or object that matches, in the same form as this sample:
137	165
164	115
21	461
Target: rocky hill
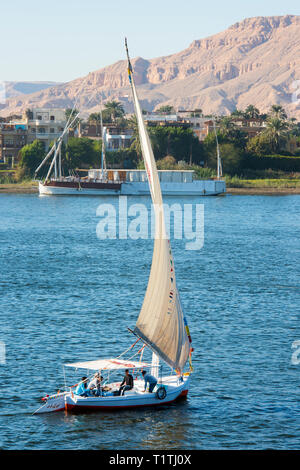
255	61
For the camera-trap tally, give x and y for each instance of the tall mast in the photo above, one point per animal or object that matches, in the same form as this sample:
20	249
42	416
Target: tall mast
103	158
59	163
219	164
55	163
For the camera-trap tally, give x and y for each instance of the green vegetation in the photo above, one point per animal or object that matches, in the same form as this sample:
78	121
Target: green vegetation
181	143
79	153
268	150
236	182
70	114
123	158
166	109
82	153
113	110
7	177
247	162
31	156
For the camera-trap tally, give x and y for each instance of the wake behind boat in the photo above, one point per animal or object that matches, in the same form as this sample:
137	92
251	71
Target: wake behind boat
161	327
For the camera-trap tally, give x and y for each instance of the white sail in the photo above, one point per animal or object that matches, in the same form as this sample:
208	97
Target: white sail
161	323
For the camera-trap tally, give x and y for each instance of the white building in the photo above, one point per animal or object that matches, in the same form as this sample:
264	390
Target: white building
116	139
45	124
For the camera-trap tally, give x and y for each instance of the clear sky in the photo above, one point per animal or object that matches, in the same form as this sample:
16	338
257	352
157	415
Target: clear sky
61	40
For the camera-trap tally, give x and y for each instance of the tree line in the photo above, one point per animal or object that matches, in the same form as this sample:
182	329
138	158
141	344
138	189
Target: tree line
178	144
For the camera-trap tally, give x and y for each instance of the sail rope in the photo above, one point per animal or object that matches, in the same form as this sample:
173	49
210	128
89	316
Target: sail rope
130	347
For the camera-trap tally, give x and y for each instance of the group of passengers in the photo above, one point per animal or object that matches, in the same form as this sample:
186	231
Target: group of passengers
95	387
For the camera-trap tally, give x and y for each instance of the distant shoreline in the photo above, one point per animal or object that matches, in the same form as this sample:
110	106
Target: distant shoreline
267	191
32	188
19	188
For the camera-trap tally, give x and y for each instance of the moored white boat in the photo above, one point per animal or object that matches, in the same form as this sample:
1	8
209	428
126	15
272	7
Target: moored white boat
80	188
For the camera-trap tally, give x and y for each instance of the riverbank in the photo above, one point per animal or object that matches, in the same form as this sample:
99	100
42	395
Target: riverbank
263	186
25	187
263	191
246	188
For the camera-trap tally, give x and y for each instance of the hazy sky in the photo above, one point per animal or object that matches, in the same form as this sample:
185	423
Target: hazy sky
61	40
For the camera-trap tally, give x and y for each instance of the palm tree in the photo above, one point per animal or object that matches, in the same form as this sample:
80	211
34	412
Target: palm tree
29	114
251	112
277	111
226	125
294	126
136	145
95	117
70	114
115	109
277	130
237	113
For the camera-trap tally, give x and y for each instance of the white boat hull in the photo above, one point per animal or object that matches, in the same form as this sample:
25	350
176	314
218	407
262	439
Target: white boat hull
132	399
195	188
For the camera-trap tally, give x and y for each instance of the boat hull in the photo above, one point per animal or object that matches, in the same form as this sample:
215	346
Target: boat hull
195	188
76	189
135	399
132	399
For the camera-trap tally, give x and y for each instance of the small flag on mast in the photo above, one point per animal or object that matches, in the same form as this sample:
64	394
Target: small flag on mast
129	63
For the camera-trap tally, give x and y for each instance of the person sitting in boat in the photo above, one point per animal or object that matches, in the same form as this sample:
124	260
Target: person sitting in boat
127	383
82	388
95	385
149	379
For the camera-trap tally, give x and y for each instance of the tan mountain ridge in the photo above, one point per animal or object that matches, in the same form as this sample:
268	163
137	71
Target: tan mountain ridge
255	61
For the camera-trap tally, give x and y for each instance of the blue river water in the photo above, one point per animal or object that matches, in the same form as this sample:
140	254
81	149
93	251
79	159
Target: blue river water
67	295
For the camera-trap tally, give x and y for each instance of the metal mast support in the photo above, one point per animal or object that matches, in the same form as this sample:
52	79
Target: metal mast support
219	163
103	157
56	149
59	162
55	164
45	159
51	166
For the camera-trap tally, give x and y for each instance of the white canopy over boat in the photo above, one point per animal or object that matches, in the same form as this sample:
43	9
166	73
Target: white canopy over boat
109	364
161	323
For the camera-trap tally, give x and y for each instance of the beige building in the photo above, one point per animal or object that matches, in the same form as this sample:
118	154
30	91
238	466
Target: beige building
45	124
12	138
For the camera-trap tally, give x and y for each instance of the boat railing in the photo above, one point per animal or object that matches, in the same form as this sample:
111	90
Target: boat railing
78	179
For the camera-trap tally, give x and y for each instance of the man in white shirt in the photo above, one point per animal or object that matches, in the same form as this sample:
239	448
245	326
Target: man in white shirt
95	384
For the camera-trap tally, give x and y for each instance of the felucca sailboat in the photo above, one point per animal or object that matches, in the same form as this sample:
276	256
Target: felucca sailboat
161	325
